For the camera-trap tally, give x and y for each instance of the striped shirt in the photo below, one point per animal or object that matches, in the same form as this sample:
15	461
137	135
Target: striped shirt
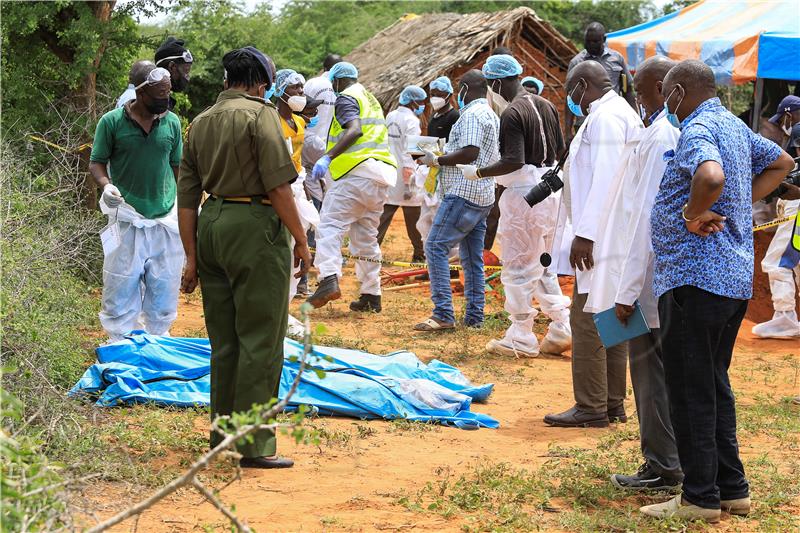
477	126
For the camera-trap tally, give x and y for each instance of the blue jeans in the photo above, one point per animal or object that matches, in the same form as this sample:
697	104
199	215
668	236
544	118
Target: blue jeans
698	331
457	222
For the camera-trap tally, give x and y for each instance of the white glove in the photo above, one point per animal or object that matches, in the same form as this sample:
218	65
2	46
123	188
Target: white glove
470	171
111	195
429	159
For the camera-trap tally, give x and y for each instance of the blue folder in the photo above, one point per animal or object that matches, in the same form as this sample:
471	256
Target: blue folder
613	332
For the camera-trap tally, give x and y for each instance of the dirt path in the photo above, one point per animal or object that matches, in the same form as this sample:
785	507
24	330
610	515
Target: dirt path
356	479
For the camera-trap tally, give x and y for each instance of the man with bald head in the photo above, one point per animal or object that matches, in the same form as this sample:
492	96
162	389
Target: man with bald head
595	49
598	374
703	277
624	277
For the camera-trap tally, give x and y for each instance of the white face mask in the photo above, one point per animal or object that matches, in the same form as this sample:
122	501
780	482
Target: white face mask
787	128
496	102
296	103
438	102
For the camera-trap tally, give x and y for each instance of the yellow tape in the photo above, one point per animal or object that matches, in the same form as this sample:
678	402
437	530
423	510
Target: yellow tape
59	147
773	223
405	264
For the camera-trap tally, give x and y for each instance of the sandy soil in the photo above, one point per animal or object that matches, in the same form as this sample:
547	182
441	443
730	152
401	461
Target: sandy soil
355	485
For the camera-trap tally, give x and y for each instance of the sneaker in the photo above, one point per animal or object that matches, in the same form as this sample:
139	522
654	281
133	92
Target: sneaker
499	347
558	339
784	325
327	290
302	290
645	479
739	506
677	508
367	302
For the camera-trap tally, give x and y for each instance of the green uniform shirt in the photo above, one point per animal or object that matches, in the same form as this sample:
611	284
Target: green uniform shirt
140	163
234	148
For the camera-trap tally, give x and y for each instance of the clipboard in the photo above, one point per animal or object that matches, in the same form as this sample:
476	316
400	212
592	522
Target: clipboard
613	332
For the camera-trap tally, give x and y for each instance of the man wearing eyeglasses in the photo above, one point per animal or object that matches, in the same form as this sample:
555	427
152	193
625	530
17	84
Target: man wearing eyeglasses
174	57
140	145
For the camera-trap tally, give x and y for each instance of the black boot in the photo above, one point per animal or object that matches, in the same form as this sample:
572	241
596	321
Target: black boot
367	302
327	290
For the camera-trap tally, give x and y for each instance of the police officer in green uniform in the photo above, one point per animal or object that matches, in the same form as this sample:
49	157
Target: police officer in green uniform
240	244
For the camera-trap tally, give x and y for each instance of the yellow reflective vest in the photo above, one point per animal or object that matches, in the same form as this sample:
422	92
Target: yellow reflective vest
373	144
796	234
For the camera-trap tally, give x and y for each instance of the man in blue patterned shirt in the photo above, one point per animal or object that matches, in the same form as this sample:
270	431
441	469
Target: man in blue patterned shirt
703	245
466	201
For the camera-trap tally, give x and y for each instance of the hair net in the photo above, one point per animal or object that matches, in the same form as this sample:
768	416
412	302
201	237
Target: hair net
442	83
412	93
285	77
343	70
501	66
535	81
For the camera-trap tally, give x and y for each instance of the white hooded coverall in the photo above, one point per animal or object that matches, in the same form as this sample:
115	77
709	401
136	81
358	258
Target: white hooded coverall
142	267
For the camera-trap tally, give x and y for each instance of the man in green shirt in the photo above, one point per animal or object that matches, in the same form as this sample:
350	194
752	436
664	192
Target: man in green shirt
139	144
240	244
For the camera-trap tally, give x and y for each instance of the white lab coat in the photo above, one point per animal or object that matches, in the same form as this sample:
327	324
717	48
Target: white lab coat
623	251
594	156
401	123
315	142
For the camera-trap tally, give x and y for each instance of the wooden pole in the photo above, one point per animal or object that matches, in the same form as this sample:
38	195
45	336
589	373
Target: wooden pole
756	118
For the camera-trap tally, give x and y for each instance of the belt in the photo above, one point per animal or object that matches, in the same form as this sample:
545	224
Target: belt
240	199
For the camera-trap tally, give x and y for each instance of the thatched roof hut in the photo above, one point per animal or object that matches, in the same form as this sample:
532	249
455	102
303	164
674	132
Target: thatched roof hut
418	49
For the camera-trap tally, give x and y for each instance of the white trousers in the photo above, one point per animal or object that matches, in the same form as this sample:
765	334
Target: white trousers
141	276
781	280
526	233
352	206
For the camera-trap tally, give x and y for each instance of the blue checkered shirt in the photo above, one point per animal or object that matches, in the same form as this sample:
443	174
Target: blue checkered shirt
477	126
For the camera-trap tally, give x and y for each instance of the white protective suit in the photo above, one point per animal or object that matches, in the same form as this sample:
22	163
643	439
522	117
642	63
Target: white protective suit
781	280
526	233
315	142
142	268
401	123
594	156
309	218
353	205
623	252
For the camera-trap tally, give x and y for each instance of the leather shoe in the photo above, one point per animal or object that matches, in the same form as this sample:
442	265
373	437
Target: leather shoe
617	414
327	290
367	302
266	462
577	418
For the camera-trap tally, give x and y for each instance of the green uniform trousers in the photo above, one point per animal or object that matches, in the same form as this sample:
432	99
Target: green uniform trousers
243	260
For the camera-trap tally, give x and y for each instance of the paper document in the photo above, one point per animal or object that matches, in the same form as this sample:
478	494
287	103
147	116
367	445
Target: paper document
613	332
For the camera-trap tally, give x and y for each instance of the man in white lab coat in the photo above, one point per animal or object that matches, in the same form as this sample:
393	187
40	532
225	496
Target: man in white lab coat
624	275
598	374
316	136
402	122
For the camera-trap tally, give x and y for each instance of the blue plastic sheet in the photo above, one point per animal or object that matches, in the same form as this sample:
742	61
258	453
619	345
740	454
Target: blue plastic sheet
176	371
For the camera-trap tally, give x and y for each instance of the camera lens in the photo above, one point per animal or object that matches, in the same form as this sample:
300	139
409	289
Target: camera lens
538	193
545	259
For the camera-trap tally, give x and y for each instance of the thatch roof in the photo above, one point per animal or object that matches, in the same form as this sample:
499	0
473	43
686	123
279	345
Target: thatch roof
418	49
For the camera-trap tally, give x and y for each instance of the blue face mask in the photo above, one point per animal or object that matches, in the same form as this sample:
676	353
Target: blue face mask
672	117
573	107
420	110
269	92
460	98
313	122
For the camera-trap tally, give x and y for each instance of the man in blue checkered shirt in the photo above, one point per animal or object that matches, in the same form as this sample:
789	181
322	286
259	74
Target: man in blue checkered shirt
461	218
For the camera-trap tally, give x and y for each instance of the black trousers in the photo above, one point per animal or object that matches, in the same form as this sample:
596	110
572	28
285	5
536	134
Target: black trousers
411	216
698	334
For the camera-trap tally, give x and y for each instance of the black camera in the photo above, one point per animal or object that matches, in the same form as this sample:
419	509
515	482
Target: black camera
792	177
550	183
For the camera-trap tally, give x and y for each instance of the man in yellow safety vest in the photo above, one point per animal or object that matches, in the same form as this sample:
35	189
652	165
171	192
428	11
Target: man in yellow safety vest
361	171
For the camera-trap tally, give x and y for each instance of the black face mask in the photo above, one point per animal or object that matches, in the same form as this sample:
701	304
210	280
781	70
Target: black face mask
179	84
158	105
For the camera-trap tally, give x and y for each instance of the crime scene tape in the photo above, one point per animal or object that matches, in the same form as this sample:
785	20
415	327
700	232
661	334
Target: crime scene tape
404	263
59	147
773	223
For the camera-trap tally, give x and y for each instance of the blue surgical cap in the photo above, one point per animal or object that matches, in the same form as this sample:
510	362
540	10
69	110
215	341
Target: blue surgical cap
501	66
412	93
535	81
285	77
343	69
442	83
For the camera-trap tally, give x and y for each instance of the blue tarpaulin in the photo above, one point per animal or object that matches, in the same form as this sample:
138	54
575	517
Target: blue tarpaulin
176	371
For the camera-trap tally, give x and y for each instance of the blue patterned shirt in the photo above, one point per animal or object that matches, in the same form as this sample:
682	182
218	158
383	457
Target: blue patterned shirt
477	126
721	263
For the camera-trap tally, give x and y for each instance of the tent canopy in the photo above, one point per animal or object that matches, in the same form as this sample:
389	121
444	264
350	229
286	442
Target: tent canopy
740	39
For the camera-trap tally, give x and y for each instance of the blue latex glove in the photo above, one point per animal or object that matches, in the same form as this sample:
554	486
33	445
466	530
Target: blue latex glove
321	167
